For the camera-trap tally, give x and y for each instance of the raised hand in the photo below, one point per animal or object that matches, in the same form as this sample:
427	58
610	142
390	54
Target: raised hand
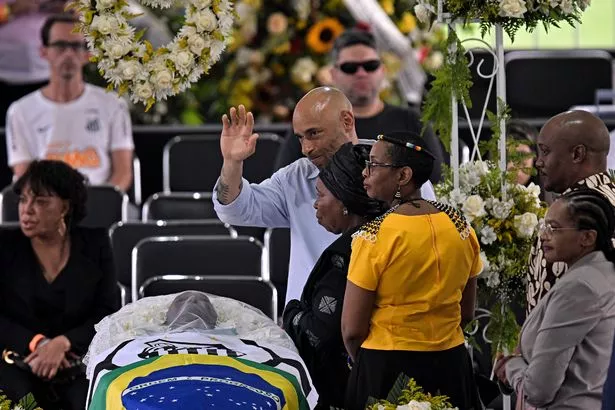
238	141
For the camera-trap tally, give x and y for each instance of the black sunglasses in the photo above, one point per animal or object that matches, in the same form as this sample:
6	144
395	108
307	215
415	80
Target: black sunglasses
352	67
65	45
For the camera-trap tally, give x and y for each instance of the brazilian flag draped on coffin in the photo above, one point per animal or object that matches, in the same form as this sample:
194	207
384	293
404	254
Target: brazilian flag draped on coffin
194	370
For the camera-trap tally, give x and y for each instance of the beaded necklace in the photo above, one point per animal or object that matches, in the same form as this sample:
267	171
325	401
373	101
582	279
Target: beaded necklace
369	231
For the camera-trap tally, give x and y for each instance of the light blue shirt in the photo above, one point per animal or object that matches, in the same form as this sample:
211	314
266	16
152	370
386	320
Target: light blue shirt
286	201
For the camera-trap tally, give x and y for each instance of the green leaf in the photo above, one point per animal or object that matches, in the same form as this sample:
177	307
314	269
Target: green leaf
139	34
398	387
28	402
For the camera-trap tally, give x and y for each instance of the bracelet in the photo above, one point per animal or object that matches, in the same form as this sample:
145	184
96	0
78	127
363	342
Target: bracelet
5	13
349	362
35	341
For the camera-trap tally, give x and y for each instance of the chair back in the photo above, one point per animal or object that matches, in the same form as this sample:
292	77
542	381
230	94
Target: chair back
179	206
193	163
543	83
195	255
125	236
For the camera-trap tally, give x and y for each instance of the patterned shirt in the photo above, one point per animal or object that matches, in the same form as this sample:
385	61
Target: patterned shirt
542	275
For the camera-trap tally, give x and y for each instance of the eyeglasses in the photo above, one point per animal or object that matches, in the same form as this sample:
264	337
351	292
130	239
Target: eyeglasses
369	165
65	45
548	230
352	67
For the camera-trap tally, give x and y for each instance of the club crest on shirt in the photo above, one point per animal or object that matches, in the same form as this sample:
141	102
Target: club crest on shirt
92	125
162	347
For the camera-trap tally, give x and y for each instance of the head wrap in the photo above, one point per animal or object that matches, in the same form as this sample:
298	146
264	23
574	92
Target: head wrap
343	178
191	309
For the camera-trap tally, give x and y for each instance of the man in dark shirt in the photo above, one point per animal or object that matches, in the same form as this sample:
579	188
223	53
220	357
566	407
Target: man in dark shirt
359	73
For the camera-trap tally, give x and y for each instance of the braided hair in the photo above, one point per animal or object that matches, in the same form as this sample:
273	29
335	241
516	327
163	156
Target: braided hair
408	149
591	210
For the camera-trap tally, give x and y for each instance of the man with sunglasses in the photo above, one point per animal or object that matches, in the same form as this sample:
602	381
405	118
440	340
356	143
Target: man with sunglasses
323	121
572	154
69	120
359	73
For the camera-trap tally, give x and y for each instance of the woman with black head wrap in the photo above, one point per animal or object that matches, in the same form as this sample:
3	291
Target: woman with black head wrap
342	206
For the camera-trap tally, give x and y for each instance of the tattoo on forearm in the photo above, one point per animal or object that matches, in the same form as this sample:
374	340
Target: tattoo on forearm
223	192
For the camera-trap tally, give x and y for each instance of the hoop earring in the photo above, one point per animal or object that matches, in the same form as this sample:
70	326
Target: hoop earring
62	227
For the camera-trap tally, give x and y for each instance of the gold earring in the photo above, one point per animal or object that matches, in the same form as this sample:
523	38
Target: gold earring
62	226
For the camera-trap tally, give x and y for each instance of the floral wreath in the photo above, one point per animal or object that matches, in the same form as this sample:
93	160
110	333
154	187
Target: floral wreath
134	66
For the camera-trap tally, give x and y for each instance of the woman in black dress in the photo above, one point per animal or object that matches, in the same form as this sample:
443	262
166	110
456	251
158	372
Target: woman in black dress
313	323
56	282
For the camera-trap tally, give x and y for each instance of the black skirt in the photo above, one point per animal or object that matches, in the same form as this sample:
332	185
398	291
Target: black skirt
448	372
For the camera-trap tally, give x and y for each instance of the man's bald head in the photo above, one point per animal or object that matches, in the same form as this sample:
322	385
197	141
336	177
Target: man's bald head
323	121
572	146
322	99
580	127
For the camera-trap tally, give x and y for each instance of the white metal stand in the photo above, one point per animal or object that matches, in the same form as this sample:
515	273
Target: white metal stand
498	75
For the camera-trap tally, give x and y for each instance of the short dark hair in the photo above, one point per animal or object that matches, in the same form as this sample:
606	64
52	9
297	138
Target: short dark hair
53	19
351	38
56	177
416	157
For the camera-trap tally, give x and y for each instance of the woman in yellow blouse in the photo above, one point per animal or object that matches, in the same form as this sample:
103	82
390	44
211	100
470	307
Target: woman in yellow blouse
411	283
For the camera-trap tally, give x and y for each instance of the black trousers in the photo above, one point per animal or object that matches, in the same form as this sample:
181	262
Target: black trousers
16	383
447	373
10	93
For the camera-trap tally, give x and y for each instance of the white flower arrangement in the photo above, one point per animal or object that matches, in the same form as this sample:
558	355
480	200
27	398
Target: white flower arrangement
406	394
509	13
134	66
505	224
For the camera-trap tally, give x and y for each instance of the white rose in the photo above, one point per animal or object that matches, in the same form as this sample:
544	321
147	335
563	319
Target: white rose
512	8
116	49
163	79
567	7
533	189
196	44
474	207
183	60
422	13
144	91
493	279
525	224
486	263
205	20
501	210
128	69
457	197
105	24
105	4
487	235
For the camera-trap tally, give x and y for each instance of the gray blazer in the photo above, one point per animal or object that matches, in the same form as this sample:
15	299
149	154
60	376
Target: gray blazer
566	340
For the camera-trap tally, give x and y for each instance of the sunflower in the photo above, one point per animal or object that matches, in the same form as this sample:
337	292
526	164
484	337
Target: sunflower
321	35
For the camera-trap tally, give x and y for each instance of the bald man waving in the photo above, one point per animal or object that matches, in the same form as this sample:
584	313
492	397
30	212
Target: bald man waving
323	121
572	152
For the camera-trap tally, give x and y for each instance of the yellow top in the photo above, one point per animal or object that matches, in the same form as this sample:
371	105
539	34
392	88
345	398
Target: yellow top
418	266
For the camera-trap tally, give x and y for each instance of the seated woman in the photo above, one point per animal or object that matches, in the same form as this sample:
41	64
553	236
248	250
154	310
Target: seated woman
411	283
342	205
56	282
565	343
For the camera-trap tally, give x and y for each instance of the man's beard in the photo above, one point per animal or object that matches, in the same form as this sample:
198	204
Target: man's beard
362	100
